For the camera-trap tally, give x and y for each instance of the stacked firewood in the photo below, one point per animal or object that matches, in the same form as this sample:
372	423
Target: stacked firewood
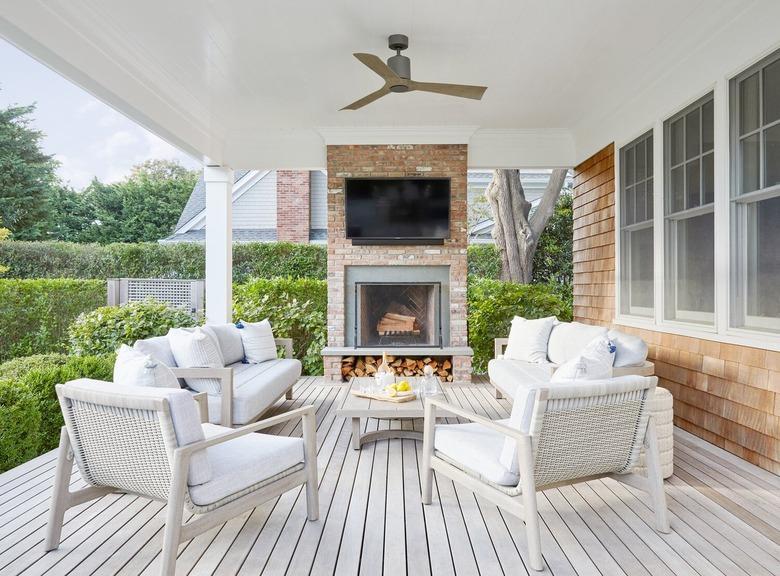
352	366
392	323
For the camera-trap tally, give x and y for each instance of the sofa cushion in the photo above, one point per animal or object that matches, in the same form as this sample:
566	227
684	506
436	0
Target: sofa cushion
240	463
508	375
528	339
196	348
133	368
258	340
255	388
567	340
228	338
631	350
476	448
158	348
593	363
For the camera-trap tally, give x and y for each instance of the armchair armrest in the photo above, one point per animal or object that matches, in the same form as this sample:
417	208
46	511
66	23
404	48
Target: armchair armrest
430	417
202	399
225	377
287	344
498	346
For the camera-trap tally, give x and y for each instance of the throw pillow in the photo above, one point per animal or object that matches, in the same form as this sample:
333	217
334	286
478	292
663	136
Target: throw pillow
258	340
631	350
593	363
528	339
132	368
195	348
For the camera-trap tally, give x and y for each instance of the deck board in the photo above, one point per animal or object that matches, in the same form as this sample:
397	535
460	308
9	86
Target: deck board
372	520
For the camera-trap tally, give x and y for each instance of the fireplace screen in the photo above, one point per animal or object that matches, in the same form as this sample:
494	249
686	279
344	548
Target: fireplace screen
398	314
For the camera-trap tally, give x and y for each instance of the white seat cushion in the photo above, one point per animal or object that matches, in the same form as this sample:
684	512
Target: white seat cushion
158	348
568	339
228	338
134	368
509	374
477	448
631	350
196	348
528	339
243	462
256	387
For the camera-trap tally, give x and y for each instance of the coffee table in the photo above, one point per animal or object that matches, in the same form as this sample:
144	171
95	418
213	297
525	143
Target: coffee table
356	408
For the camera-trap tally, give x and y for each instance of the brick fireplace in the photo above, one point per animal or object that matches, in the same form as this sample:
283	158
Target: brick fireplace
423	285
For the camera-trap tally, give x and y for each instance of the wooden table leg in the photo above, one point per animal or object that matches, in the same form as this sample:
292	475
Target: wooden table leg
356	433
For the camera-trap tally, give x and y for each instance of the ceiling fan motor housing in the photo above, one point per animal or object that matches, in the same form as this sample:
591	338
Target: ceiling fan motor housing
401	65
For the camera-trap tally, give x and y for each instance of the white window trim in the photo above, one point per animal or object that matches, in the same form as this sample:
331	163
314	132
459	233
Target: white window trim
720	331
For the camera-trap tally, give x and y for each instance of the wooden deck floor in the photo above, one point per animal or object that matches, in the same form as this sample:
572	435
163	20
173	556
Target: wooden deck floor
724	518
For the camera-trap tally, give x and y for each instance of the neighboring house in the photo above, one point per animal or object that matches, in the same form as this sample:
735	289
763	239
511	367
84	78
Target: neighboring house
289	205
268	206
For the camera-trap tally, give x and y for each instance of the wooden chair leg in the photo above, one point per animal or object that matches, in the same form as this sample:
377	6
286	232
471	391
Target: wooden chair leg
498	394
429	429
310	461
173	520
60	497
655	482
289	394
530	512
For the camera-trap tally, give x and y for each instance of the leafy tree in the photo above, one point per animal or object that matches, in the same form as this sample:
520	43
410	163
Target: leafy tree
27	175
553	257
71	216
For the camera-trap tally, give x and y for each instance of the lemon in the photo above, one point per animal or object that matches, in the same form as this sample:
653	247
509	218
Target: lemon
391	391
403	386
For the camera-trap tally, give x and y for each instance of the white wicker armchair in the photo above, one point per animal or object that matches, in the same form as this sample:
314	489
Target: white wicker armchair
151	442
556	436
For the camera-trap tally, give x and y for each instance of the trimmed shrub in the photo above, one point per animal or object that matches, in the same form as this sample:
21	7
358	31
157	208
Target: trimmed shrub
104	330
35	314
493	304
18	367
153	260
296	309
484	261
20	421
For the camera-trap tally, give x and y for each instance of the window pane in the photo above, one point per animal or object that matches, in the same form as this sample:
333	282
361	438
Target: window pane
772	156
708	178
692	184
677	190
772	92
748	104
707	119
650	157
749	153
641	271
677	142
639	154
692	134
628	167
628	206
649	196
694	278
763	267
639	202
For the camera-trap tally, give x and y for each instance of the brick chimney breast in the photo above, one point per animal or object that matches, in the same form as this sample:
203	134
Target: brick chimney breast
293	206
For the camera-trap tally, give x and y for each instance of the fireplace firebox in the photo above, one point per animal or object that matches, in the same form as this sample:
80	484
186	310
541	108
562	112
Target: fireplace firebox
391	314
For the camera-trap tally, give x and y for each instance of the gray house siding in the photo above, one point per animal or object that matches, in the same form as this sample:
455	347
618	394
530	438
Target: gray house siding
256	208
318	200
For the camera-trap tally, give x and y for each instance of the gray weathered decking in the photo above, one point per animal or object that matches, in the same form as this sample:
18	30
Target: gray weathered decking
724	518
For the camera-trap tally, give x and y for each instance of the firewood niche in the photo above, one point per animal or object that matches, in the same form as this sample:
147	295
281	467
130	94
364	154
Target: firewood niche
352	366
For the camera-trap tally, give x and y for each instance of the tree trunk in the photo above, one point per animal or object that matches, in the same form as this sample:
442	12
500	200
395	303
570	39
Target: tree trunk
515	231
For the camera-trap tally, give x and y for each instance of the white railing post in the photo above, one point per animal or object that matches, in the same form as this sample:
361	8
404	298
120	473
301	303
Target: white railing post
219	243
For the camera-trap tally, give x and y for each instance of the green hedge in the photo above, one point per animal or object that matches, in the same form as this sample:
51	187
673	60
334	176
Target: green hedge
30	416
104	330
153	260
296	308
493	304
35	314
484	261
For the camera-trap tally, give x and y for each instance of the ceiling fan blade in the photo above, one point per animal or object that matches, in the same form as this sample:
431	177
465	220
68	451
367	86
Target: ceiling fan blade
368	99
377	65
460	90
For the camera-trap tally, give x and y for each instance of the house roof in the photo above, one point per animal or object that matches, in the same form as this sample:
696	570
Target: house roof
197	200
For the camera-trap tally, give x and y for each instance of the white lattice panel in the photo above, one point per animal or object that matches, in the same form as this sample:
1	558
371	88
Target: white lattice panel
184	294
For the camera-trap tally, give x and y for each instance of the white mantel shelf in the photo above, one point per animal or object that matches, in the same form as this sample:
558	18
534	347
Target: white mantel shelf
399	351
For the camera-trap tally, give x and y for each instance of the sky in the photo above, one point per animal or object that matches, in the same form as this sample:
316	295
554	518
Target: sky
88	138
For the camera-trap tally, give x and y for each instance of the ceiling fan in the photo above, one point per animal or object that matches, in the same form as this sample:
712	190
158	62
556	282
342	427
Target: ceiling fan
397	76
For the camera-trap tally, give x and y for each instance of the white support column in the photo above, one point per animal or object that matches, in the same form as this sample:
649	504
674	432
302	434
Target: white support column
219	244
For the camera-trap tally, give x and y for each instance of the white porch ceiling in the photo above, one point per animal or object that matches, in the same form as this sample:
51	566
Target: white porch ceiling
259	84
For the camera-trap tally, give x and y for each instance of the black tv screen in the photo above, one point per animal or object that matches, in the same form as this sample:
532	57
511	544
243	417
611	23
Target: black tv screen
397	210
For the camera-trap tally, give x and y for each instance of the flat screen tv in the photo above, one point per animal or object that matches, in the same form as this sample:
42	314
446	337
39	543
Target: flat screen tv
397	210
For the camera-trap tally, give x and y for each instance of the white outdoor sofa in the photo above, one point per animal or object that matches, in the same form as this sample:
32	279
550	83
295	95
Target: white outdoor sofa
567	339
559	435
153	442
246	390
